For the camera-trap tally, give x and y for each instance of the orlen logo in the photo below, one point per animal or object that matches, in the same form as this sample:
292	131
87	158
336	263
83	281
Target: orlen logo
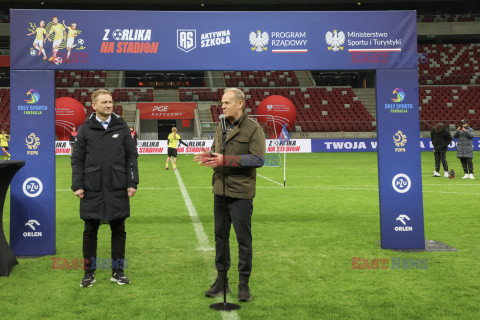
160	108
32	224
401	183
33	95
32	187
404	219
400	95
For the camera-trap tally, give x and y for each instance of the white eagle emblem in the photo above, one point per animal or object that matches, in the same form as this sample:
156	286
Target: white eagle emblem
258	41
335	40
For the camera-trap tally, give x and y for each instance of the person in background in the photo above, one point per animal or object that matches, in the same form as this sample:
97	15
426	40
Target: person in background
134	134
73	138
465	136
441	138
4	137
173	139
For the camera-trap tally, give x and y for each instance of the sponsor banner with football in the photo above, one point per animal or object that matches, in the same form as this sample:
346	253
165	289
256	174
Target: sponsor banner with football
32	191
149	40
399	172
166	110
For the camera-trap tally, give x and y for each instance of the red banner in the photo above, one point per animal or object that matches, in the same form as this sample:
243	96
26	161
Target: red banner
166	110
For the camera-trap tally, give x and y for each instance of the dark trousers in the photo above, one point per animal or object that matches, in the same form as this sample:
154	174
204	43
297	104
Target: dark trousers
238	212
119	237
441	155
467	165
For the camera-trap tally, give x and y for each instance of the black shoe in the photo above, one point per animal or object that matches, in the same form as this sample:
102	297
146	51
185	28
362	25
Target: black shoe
88	280
120	278
216	289
243	290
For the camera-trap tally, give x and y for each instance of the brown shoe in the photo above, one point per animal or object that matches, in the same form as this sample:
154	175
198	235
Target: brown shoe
243	290
216	289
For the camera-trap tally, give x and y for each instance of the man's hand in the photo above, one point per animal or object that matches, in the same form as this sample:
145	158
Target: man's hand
131	192
79	193
216	160
202	157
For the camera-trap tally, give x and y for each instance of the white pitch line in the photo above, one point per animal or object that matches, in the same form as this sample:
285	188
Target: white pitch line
197	224
270	180
202	238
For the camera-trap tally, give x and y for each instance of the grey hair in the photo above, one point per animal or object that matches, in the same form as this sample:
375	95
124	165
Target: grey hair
237	94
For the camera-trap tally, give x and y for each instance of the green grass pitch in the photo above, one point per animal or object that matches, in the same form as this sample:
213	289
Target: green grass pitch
304	238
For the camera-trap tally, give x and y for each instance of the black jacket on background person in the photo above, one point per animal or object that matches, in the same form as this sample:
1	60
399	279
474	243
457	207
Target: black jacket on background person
104	164
441	140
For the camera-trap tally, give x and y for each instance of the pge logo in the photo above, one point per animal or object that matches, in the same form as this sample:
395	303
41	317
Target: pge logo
160	108
401	183
32	187
186	39
34	96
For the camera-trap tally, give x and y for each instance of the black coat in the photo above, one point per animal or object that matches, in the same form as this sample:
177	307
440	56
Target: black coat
104	164
441	140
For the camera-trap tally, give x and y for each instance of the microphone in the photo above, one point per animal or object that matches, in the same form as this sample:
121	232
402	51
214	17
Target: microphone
223	124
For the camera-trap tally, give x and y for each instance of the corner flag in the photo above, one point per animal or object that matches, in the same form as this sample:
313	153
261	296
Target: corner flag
284	136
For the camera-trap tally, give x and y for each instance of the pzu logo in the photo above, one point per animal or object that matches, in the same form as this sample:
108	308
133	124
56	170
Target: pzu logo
401	183
32	187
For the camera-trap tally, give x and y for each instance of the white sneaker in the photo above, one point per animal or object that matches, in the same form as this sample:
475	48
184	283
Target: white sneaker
436	174
466	176
471	176
446	175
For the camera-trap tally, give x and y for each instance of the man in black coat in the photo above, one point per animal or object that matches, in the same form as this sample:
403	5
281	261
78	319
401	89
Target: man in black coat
104	176
441	138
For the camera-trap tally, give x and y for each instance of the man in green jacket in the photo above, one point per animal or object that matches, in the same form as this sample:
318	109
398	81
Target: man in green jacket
244	152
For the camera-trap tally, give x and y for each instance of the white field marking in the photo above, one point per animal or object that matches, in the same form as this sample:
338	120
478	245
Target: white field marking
362	187
197	224
202	238
270	180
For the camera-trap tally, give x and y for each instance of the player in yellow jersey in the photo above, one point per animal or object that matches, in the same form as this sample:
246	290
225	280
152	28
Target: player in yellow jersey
72	33
60	35
4	137
173	139
38	42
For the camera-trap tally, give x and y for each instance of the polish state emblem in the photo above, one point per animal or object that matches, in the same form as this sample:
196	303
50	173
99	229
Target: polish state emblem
259	41
335	40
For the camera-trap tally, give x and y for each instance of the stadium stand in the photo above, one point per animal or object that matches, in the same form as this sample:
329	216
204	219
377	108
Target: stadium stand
448	104
318	109
447	18
449	64
260	79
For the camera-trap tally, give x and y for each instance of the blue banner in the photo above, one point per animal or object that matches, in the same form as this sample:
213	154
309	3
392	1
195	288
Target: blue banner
399	170
370	145
148	40
32	191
